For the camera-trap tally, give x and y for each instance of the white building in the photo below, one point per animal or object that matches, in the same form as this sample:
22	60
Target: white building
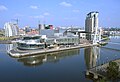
91	22
11	29
91	27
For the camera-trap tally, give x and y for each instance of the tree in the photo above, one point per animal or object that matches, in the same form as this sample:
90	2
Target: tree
103	80
113	70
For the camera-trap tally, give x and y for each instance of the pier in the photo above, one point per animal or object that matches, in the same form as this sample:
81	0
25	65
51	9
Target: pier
20	53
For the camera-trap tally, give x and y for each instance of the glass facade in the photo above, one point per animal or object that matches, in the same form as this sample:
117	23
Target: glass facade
39	43
30	46
63	40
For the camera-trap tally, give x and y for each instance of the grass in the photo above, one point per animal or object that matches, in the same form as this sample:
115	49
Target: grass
2	38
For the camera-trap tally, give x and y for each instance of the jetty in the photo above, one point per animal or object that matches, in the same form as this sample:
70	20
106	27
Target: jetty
20	53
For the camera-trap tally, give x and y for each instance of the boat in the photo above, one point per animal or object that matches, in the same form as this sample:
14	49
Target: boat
103	43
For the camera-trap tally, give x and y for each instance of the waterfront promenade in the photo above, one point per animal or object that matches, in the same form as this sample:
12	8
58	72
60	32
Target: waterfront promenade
20	53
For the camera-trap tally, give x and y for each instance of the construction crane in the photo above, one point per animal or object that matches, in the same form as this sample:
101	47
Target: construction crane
16	20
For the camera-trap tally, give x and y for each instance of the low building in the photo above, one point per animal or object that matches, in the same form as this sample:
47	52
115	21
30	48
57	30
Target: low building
41	42
64	40
21	32
49	32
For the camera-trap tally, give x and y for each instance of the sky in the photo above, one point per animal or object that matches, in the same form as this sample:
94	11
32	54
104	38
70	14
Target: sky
59	12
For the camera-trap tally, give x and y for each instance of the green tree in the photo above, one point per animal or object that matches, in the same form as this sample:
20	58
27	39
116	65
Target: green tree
103	80
112	70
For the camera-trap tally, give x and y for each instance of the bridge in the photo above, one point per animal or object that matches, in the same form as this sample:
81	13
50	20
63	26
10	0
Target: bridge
111	48
99	71
115	43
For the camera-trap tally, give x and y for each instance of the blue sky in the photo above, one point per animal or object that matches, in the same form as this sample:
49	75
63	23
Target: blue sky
59	12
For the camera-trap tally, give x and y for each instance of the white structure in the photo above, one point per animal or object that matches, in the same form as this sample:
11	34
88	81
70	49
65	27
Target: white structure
11	29
91	26
91	22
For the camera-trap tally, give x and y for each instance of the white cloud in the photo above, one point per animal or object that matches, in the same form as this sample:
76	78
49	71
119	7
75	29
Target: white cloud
3	8
37	17
33	7
41	16
46	14
65	4
76	11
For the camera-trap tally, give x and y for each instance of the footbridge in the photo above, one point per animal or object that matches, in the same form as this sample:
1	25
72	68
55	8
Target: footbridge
99	71
115	43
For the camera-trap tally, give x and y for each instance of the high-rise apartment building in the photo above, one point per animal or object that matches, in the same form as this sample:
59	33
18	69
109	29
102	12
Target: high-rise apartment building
91	26
91	22
11	29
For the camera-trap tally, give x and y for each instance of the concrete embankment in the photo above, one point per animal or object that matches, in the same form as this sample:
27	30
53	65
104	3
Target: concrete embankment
21	53
5	42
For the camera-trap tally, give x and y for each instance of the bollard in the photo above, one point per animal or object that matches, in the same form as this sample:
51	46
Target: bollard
95	76
87	72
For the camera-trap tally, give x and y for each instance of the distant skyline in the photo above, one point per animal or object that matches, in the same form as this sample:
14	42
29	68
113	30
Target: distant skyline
59	12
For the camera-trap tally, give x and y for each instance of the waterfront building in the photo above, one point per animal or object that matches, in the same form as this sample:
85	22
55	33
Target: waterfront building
41	26
91	27
21	32
11	29
43	29
41	41
33	32
48	26
78	32
47	38
27	29
91	22
49	32
31	42
63	40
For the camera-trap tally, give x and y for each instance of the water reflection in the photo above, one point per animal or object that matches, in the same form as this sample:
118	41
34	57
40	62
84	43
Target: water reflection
92	56
92	59
43	58
10	47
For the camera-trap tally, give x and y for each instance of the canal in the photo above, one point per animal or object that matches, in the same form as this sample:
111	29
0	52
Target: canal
66	66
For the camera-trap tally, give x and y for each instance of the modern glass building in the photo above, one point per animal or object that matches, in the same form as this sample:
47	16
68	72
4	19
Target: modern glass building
37	42
31	42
